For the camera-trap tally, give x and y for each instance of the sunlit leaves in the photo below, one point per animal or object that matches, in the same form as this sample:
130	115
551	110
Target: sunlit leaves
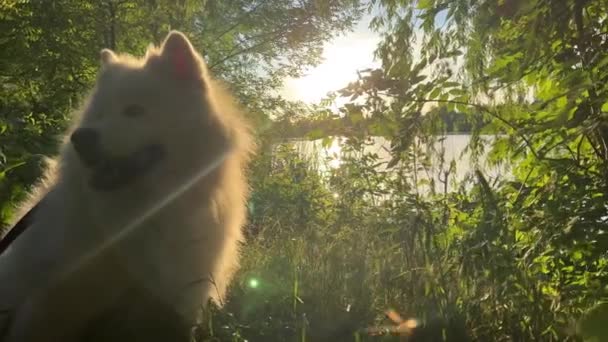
505	60
425	4
535	72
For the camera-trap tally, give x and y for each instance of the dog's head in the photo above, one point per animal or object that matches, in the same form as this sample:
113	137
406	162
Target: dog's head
146	114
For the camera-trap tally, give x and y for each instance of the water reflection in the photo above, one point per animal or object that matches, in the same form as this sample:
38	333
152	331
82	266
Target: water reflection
457	160
333	154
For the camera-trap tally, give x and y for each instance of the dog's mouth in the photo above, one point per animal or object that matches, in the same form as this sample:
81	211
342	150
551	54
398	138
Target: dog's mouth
112	173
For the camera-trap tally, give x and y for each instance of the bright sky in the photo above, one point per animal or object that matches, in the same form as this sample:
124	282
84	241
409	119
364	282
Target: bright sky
343	56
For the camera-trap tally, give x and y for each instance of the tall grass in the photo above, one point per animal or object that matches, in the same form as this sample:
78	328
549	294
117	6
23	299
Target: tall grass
329	253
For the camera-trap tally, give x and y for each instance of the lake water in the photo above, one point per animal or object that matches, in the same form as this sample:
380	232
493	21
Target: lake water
454	147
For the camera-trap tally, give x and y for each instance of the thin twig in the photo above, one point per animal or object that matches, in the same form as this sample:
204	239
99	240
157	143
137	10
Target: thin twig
239	20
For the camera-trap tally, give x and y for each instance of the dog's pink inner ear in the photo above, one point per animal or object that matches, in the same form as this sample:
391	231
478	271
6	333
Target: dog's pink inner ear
181	64
181	57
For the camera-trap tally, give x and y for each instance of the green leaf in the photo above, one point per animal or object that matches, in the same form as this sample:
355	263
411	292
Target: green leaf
453	53
418	79
561	102
355	115
435	93
451	84
577	255
457	91
4	172
424	4
393	162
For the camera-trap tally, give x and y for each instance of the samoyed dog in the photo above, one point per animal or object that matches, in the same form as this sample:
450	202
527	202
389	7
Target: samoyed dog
139	219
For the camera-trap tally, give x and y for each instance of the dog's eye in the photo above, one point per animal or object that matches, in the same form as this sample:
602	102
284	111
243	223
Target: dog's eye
134	111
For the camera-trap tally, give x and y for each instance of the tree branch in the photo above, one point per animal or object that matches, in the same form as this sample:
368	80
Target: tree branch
245	50
239	20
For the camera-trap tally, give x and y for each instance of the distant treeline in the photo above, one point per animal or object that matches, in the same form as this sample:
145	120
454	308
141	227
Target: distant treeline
455	122
446	122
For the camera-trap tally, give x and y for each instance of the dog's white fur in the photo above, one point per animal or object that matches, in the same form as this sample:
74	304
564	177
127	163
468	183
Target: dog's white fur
184	253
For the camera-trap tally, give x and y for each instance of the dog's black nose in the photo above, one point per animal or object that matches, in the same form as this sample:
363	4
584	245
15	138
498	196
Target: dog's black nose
86	144
85	138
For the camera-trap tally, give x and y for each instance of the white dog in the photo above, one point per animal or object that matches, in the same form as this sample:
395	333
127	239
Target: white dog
144	207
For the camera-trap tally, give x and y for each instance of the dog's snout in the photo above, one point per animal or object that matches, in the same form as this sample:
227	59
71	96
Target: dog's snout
85	138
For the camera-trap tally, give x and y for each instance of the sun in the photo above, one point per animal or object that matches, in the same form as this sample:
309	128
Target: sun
341	59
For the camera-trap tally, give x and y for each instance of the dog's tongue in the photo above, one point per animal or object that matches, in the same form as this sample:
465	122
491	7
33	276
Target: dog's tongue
115	173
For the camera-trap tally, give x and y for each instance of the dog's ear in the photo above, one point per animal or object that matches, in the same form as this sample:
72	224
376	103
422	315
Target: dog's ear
107	57
182	59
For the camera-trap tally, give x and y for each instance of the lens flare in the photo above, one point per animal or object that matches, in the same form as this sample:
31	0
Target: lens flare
254	283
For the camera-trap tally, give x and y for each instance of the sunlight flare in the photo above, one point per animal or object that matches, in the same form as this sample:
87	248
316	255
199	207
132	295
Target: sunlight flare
334	154
342	58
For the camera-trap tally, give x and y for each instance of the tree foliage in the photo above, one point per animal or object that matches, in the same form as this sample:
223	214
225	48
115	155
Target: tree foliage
535	72
49	54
